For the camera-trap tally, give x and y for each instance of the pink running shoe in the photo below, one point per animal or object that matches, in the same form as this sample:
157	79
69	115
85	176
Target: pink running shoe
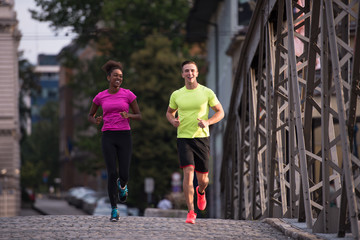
201	200
191	216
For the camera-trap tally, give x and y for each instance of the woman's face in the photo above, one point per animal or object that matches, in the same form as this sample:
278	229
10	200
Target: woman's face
116	78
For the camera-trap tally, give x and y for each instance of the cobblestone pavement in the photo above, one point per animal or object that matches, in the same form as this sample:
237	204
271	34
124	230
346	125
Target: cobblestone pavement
99	227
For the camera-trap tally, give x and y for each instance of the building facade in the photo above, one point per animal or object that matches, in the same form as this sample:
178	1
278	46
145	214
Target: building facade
47	72
9	117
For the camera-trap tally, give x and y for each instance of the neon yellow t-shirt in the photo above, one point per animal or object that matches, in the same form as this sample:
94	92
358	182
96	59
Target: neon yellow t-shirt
191	105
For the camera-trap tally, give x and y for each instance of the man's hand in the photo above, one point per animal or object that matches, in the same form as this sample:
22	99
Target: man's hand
202	123
175	122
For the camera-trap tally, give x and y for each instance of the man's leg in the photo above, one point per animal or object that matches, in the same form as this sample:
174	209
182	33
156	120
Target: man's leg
203	181
188	187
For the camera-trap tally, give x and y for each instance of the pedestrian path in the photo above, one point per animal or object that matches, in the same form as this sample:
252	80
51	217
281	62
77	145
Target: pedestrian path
67	222
56	207
148	228
291	227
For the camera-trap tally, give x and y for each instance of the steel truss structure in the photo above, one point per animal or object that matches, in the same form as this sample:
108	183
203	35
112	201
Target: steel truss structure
288	146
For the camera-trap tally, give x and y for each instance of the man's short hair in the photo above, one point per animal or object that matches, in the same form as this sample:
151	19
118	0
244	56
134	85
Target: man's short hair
187	62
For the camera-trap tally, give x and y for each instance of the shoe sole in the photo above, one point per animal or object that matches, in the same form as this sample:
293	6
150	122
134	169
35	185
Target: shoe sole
122	200
192	222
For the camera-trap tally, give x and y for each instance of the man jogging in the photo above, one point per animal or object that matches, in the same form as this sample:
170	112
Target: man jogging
192	103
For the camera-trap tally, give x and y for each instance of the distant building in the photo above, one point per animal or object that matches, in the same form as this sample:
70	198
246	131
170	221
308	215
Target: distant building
47	71
9	112
71	118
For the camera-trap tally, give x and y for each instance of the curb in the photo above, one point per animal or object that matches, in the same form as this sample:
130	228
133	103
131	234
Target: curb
38	210
171	213
290	230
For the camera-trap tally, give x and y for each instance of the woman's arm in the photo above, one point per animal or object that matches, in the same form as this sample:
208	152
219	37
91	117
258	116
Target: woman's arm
136	114
91	116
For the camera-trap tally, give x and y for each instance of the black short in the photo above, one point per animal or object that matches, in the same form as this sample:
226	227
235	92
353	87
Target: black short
194	152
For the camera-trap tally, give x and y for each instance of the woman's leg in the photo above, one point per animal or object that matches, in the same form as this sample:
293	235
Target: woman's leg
109	153
124	153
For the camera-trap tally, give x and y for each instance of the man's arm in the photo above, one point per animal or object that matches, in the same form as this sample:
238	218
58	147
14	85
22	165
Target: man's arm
219	114
170	115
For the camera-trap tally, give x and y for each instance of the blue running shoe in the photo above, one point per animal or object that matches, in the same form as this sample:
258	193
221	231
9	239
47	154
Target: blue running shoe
114	215
123	192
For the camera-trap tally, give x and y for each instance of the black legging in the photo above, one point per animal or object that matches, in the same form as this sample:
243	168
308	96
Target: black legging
116	145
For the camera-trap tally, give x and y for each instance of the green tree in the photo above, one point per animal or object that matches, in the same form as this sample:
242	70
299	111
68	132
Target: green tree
28	86
153	75
157	75
40	150
147	36
86	84
119	27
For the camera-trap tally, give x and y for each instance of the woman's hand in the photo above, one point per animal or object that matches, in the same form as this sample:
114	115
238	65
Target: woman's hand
124	114
98	120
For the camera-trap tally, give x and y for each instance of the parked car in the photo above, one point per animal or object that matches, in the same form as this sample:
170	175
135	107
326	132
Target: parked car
103	208
133	211
89	201
68	195
75	195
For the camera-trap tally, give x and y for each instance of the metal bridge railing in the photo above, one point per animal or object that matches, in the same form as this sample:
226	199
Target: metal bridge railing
289	148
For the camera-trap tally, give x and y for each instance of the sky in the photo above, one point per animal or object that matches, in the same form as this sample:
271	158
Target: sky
37	37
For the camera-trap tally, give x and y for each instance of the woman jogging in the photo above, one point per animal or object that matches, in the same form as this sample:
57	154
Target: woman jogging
116	136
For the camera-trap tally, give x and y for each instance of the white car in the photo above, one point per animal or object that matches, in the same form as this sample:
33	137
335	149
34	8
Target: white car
103	208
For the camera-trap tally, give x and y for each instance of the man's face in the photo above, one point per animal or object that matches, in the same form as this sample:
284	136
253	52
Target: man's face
190	72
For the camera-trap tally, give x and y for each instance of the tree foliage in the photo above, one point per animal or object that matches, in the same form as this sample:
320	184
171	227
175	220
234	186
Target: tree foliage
153	74
40	150
147	37
119	27
28	86
157	71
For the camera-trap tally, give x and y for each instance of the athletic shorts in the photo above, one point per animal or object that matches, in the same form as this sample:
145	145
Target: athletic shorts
194	152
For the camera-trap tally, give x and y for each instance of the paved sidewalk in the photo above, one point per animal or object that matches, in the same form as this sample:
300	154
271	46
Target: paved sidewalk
291	227
148	228
56	207
67	222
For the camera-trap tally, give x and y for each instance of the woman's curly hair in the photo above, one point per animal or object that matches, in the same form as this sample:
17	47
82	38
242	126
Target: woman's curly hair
110	66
